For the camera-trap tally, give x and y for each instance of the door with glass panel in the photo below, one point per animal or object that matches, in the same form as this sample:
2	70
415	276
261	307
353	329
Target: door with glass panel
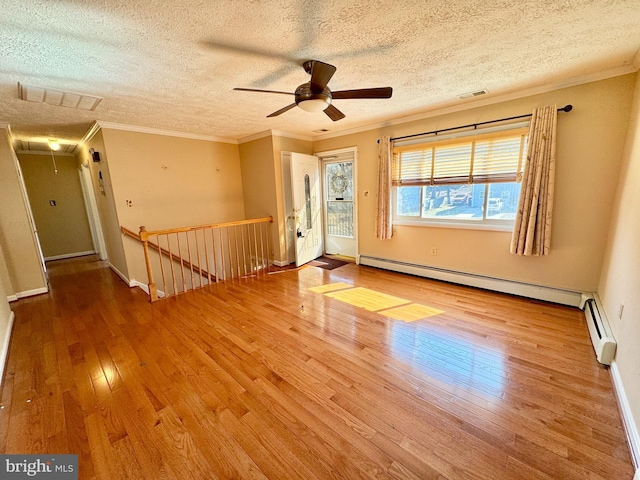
339	231
307	207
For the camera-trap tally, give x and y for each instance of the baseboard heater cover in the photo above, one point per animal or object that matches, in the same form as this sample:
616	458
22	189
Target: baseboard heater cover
538	292
601	337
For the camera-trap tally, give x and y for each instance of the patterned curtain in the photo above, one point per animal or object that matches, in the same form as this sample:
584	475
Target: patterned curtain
384	226
532	228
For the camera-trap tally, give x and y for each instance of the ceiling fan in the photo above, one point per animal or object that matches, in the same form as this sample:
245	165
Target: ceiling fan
315	96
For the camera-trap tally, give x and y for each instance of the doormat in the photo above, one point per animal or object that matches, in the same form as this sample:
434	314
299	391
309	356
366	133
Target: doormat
327	263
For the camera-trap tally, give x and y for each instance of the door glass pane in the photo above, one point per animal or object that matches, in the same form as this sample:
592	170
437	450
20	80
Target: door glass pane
307	200
340	218
339	181
339	188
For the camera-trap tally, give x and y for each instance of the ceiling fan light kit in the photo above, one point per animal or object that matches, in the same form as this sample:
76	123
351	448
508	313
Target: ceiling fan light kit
315	96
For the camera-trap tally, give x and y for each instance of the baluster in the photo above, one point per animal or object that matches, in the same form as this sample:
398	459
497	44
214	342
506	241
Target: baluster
145	246
184	279
186	234
244	254
164	283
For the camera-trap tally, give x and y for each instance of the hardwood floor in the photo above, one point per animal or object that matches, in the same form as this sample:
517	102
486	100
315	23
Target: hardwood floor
263	378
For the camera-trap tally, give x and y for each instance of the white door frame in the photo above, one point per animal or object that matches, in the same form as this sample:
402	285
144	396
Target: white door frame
334	153
89	194
32	222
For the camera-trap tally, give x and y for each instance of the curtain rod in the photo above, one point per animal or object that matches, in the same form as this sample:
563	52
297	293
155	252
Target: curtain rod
566	108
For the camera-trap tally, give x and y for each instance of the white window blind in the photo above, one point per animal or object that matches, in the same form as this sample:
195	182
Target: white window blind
486	158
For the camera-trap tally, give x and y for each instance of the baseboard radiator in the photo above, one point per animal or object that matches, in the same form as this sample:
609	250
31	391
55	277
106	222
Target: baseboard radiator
601	337
539	292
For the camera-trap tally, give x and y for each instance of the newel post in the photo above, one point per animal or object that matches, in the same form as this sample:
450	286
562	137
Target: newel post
144	238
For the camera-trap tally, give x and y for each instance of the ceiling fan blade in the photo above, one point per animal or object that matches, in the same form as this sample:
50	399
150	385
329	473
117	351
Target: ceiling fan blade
282	110
382	92
262	91
321	73
333	113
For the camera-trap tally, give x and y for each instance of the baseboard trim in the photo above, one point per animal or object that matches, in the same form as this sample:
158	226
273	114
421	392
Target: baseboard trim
4	351
144	287
27	293
69	255
278	263
538	292
630	427
120	274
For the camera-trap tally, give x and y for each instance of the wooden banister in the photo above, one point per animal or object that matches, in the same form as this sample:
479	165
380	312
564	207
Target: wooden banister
235	248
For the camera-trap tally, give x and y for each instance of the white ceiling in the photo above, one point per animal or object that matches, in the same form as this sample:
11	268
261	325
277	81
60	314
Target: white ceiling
172	64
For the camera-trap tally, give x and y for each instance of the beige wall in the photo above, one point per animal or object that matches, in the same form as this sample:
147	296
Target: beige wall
5	318
261	161
284	144
105	202
63	229
620	280
172	182
16	236
259	187
589	148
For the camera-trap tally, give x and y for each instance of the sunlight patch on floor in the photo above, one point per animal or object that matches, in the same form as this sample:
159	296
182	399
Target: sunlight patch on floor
392	307
411	313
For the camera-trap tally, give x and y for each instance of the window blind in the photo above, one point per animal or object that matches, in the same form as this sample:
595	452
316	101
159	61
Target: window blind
485	158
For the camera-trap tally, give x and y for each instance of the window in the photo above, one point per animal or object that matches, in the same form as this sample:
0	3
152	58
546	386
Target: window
468	181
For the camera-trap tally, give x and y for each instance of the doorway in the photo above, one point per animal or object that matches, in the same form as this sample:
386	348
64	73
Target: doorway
339	202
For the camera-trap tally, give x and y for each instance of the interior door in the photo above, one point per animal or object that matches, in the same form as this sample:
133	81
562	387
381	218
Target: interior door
307	207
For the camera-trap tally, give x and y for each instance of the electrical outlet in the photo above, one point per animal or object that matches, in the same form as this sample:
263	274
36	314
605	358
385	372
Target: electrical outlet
620	310
434	250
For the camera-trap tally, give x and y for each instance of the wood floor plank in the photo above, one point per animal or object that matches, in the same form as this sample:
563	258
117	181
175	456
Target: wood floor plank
262	378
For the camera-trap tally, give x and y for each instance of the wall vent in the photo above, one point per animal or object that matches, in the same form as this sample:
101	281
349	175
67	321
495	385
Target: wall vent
601	337
57	98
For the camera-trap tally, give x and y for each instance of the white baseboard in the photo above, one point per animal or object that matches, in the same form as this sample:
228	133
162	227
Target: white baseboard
4	348
549	294
630	427
27	293
145	288
120	274
278	263
69	255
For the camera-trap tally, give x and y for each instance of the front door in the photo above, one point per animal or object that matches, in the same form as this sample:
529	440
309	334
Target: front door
339	207
307	207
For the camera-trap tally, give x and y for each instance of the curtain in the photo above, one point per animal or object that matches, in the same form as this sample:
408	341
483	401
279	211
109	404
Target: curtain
384	225
532	228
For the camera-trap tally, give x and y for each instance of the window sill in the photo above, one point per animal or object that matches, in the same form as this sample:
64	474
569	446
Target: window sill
498	227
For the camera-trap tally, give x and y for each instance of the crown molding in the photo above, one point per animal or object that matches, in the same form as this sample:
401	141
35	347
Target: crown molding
95	128
274	133
280	133
5	126
475	103
255	136
166	133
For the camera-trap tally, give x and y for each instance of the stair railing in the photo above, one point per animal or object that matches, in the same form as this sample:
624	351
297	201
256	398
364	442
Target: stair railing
192	257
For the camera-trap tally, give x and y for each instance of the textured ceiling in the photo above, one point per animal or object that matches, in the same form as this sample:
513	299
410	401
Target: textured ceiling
172	65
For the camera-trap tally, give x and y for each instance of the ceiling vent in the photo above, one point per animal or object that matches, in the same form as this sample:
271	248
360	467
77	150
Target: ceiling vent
58	98
484	91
